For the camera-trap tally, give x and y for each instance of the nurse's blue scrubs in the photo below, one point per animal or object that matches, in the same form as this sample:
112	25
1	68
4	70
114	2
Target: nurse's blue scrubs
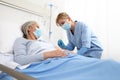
84	37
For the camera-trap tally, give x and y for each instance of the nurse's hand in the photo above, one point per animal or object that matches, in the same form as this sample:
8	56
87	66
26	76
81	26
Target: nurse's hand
61	44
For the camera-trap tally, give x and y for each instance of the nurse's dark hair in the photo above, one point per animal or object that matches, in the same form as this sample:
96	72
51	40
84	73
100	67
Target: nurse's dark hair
62	15
25	26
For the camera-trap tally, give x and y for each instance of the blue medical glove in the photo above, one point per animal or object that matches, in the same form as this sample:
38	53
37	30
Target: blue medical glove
61	44
82	50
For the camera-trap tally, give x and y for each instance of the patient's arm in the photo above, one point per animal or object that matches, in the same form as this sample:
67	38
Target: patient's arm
54	53
22	57
57	47
68	51
57	53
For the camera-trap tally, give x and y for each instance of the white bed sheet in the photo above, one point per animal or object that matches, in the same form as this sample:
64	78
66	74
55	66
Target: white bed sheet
6	58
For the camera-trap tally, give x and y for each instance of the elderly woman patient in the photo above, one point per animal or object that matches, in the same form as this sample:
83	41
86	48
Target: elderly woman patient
31	48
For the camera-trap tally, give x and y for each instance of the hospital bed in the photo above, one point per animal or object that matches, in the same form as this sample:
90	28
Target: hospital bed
7	65
15	74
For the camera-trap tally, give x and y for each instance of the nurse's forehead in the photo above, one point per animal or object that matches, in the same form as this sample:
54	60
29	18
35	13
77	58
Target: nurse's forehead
61	20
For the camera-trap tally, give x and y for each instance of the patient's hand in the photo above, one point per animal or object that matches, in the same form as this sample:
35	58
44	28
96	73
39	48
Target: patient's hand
59	53
54	53
65	50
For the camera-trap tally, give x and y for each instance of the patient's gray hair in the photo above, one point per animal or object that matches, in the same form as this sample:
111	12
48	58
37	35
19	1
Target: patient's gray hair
25	26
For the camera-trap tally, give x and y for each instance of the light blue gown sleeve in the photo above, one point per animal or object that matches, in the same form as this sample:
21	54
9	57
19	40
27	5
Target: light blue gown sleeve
82	51
70	46
20	54
86	36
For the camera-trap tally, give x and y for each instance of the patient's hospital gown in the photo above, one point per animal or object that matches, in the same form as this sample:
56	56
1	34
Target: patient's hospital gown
28	51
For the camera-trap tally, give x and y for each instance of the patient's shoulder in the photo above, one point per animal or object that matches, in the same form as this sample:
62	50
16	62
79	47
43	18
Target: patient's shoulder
21	40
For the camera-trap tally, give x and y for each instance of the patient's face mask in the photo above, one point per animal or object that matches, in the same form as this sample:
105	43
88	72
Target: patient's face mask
66	26
37	32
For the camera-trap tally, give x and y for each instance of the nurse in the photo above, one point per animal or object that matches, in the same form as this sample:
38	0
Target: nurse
80	36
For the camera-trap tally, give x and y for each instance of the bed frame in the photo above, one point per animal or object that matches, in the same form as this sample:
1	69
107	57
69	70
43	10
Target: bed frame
15	74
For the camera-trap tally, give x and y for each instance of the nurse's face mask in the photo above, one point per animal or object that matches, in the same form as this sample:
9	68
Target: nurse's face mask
66	26
37	32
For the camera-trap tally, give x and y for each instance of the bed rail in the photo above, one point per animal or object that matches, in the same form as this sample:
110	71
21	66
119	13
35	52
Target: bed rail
15	74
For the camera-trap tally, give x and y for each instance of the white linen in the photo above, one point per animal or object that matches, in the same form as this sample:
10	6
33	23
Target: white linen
7	60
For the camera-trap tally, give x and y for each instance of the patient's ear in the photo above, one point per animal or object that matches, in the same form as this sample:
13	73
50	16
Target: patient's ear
30	29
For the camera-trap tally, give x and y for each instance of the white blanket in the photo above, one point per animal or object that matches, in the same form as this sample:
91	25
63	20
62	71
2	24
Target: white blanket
6	59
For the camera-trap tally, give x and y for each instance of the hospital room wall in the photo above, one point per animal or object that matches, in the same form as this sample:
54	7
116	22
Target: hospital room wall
103	17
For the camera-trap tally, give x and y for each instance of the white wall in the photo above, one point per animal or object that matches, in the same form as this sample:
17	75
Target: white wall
103	17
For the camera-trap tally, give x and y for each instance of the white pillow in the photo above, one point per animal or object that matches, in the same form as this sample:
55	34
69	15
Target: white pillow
7	60
4	57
